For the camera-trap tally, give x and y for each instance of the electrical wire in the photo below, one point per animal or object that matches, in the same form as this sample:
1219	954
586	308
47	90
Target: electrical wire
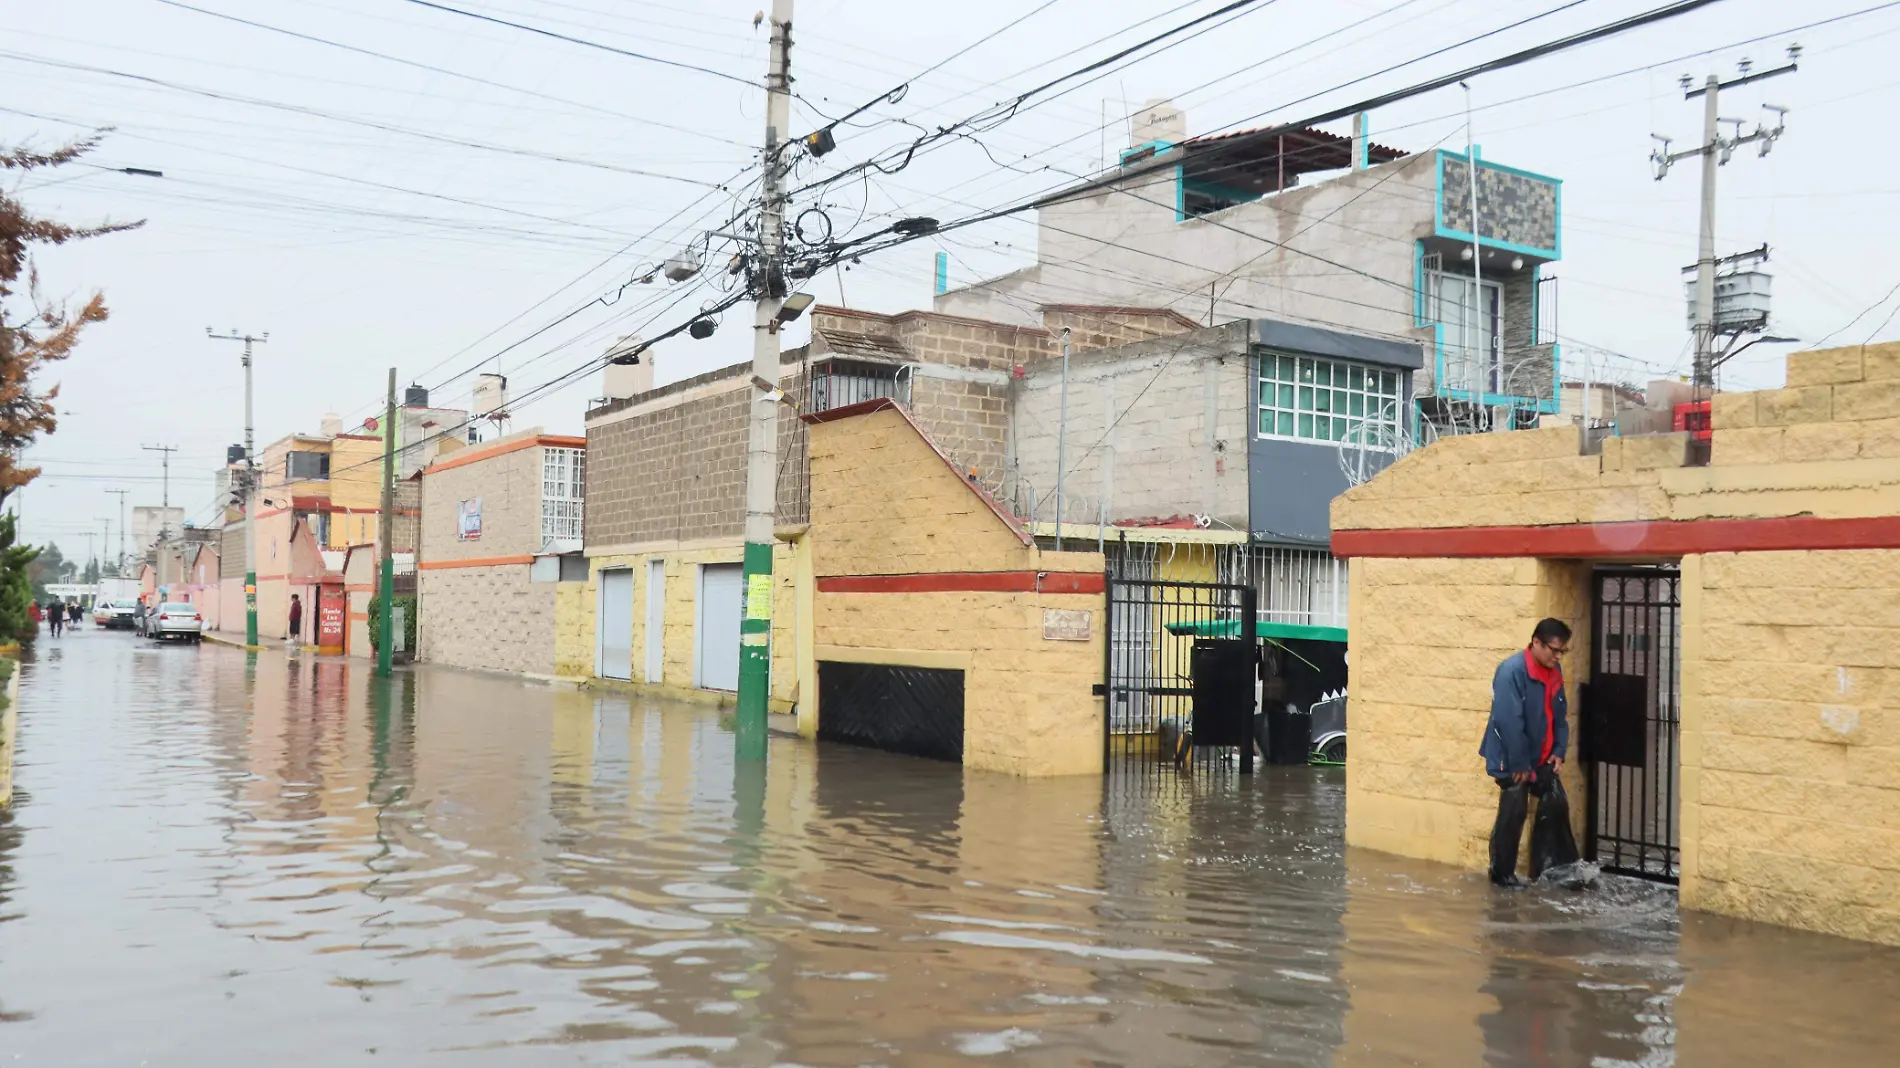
583	42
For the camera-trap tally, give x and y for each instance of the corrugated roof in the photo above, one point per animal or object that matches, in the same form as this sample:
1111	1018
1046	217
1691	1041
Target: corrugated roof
880	347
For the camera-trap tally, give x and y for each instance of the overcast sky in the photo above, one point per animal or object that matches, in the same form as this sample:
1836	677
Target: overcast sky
369	212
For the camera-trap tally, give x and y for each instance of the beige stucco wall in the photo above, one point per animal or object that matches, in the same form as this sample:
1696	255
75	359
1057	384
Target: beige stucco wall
885	503
509	485
1789	796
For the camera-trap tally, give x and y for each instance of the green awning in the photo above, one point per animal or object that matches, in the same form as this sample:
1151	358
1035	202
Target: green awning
1230	628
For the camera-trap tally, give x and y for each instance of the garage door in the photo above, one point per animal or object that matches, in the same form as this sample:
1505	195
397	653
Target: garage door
614	657
716	627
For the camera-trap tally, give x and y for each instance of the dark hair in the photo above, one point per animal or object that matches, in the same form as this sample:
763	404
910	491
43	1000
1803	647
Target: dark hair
1551	630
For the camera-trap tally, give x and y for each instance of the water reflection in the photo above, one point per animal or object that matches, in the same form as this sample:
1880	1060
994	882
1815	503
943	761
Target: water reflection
218	858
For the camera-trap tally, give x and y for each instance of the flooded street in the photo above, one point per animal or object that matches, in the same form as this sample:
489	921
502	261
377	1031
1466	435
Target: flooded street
212	861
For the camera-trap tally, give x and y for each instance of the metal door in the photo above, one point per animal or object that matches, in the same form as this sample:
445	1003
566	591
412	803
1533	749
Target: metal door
613	634
1631	723
716	627
1157	718
656	619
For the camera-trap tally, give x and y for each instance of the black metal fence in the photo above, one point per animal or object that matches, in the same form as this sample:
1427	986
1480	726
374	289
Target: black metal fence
1180	675
1631	727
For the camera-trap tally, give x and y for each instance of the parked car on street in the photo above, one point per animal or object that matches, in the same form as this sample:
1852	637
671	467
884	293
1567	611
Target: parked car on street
175	620
121	614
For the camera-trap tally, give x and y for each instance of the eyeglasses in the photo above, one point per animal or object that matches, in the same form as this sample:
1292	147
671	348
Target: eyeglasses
1555	650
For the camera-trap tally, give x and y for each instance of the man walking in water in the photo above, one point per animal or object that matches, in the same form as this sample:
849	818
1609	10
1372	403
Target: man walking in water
56	616
1524	746
296	620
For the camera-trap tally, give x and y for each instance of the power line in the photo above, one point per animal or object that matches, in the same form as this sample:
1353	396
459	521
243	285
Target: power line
583	42
299	109
451	73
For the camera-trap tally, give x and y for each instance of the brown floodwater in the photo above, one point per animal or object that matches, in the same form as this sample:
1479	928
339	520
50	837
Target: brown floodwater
218	861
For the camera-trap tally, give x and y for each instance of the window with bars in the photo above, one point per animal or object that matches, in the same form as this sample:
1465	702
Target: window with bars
1310	399
563	478
837	383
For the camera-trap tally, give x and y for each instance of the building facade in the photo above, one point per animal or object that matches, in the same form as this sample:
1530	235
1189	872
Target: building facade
1221	228
501	530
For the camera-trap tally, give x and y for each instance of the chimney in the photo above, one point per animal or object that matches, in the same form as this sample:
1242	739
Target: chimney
1158	120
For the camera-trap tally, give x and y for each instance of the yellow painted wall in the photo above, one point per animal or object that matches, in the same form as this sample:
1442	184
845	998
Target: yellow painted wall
577	605
884	503
1790	707
1426	638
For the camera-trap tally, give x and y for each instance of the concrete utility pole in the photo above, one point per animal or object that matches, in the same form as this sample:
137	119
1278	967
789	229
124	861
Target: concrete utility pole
385	531
761	490
119	568
249	489
1715	151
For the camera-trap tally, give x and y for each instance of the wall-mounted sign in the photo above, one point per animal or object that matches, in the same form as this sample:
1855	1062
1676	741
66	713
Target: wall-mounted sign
1065	625
468	519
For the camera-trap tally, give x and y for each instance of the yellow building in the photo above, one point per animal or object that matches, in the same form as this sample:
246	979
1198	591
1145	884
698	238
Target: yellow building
1738	623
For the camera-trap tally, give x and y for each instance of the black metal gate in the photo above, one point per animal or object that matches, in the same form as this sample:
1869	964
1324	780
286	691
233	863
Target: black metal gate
1631	725
1180	675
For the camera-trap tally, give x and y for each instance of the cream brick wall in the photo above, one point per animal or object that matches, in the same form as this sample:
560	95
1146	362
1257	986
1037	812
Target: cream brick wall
578	615
883	503
1427	636
1789	796
1791	739
487	617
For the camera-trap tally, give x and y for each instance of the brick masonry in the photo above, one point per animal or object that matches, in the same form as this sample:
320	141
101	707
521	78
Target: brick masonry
1789	794
883	503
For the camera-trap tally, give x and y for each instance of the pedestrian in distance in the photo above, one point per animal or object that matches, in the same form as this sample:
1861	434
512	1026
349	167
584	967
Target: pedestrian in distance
296	620
1524	746
56	616
74	613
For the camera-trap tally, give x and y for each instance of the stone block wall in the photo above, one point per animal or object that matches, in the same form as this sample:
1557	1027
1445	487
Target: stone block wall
887	505
969	420
1138	429
1789	552
1427	636
488	617
1791	739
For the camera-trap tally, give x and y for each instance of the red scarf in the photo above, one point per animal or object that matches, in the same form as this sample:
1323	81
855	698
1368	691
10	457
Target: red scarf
1553	680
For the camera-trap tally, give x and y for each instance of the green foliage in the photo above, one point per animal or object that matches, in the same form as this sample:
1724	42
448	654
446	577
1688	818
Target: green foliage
404	601
48	568
16	591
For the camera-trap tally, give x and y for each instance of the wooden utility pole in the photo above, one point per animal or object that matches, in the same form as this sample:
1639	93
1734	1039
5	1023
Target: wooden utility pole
386	531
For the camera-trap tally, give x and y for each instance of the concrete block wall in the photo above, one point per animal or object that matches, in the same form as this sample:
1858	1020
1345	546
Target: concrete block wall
1138	428
1427	637
969	420
885	503
488	617
1789	796
1791	739
509	485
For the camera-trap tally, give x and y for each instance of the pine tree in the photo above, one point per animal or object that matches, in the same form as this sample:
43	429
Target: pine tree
16	593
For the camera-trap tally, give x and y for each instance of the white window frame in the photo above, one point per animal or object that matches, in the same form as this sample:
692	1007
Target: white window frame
563	493
1295	404
1464	369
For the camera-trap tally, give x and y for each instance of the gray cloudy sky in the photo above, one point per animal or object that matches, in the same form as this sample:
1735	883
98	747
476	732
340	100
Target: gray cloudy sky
369	212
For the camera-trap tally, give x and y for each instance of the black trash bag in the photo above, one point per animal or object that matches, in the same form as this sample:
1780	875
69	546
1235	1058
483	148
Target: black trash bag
1554	854
1552	843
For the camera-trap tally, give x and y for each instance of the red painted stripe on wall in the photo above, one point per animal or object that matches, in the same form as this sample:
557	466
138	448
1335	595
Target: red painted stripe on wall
1662	538
476	561
968	582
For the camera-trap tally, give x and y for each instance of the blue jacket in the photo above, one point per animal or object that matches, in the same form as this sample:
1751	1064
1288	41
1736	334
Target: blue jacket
1514	736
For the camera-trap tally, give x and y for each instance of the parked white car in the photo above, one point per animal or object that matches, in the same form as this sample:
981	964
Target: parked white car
176	620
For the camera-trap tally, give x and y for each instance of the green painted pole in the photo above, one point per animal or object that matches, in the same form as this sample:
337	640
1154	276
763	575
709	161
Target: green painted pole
386	530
